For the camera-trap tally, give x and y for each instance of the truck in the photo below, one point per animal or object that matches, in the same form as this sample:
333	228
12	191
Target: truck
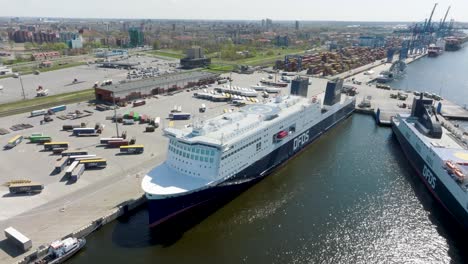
38	112
61	164
77	172
156	122
13	142
53	145
18	239
85	131
94	163
69	127
132	149
117	143
202	109
74	158
40	139
139	103
106	140
58	108
31	187
74	152
179	116
42	92
70	169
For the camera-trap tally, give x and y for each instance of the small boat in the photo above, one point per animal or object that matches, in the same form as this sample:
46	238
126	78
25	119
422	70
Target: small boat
459	174
61	250
282	134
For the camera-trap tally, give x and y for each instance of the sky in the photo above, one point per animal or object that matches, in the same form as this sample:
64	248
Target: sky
336	10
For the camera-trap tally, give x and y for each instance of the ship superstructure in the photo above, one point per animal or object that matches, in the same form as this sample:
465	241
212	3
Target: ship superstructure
438	154
234	150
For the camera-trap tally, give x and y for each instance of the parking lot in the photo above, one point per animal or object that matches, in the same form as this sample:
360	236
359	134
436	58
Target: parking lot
61	81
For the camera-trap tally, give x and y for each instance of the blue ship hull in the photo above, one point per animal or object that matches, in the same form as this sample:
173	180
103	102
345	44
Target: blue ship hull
161	210
438	190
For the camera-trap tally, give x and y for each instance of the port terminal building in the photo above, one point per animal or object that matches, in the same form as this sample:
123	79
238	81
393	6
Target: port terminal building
170	83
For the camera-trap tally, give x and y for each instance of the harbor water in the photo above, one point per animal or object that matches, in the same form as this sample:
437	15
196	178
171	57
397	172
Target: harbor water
351	197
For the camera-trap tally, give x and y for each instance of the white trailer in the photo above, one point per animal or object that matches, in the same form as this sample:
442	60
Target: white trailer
18	239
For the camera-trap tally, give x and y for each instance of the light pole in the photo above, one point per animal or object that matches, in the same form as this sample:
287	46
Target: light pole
22	88
115	115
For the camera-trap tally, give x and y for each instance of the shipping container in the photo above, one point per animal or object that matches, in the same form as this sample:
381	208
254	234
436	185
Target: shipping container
59	108
94	163
61	164
74	152
83	130
116	144
25	188
39	112
179	116
14	141
132	149
77	172
18	239
106	140
53	145
70	169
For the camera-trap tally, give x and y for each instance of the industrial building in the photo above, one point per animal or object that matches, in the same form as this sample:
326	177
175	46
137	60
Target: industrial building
195	59
147	87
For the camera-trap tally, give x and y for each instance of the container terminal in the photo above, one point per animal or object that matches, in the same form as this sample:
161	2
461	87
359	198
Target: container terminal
99	194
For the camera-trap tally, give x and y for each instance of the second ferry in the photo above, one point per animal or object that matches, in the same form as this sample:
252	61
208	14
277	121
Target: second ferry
439	154
231	152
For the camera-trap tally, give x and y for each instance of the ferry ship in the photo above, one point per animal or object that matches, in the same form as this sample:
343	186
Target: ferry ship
231	152
434	51
438	154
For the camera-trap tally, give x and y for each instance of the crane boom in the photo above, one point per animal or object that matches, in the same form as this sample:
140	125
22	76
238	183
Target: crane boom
428	25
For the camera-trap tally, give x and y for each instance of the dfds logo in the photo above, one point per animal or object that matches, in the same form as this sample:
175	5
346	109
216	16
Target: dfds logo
429	177
301	140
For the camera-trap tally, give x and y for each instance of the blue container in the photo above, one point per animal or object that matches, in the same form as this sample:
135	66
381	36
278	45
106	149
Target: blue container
58	108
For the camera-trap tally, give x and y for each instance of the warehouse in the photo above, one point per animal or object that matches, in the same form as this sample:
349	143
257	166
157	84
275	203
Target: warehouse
147	87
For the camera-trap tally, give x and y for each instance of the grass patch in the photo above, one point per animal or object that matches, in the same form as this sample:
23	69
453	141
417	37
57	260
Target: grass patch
261	58
169	54
45	102
218	68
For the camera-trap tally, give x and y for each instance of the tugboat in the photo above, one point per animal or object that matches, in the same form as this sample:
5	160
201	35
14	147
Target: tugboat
61	250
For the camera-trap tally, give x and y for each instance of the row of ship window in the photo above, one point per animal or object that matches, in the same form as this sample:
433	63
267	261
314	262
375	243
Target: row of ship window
241	148
191	156
193	149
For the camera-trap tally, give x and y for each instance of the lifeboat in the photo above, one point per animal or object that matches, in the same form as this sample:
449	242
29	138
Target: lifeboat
282	134
450	165
459	174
